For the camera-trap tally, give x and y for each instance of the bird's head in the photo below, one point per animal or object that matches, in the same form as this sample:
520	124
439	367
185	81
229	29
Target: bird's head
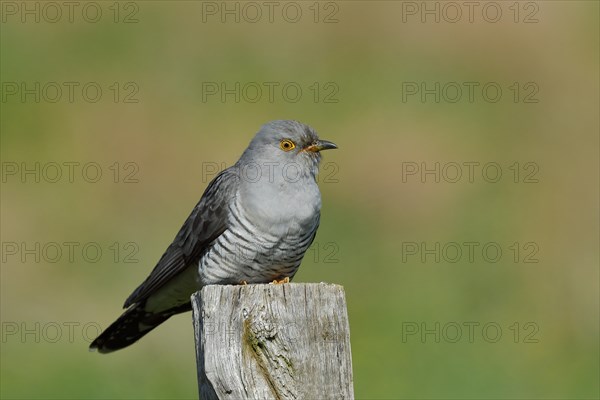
287	143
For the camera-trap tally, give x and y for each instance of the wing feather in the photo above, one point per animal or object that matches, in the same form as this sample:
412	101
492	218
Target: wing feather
207	222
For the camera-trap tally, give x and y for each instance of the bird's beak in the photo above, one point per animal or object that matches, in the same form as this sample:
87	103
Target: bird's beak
320	145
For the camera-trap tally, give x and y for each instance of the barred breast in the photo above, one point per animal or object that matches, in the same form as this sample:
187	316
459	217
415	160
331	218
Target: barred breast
256	251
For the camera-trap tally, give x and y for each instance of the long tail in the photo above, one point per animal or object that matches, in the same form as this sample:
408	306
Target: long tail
131	326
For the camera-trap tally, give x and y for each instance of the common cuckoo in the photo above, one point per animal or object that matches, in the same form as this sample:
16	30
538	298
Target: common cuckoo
253	224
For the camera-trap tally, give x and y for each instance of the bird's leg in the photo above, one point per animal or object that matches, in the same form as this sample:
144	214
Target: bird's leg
284	280
243	283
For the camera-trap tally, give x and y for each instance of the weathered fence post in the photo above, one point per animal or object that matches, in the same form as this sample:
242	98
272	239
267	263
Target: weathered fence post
275	341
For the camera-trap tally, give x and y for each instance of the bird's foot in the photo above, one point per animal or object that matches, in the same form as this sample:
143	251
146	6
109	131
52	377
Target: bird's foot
284	280
243	283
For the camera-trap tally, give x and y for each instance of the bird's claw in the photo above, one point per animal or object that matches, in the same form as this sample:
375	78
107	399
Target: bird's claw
284	280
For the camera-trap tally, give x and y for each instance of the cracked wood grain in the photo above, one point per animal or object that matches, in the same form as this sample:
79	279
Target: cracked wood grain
287	341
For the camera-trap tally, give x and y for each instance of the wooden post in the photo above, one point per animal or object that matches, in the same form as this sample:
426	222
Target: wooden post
273	341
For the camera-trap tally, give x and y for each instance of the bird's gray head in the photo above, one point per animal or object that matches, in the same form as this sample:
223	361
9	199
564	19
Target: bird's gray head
287	143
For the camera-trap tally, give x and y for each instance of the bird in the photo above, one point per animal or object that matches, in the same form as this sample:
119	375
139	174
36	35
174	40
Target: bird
253	224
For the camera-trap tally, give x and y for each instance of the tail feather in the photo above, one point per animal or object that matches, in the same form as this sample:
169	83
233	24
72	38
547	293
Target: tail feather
131	326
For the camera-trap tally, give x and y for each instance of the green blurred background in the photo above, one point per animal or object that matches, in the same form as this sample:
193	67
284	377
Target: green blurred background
367	53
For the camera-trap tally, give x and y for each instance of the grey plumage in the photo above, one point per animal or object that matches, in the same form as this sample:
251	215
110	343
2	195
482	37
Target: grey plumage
253	224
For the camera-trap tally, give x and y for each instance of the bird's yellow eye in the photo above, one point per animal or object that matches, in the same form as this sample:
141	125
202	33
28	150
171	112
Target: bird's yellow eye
287	145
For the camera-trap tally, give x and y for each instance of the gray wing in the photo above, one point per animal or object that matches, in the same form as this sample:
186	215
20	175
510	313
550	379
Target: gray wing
207	221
